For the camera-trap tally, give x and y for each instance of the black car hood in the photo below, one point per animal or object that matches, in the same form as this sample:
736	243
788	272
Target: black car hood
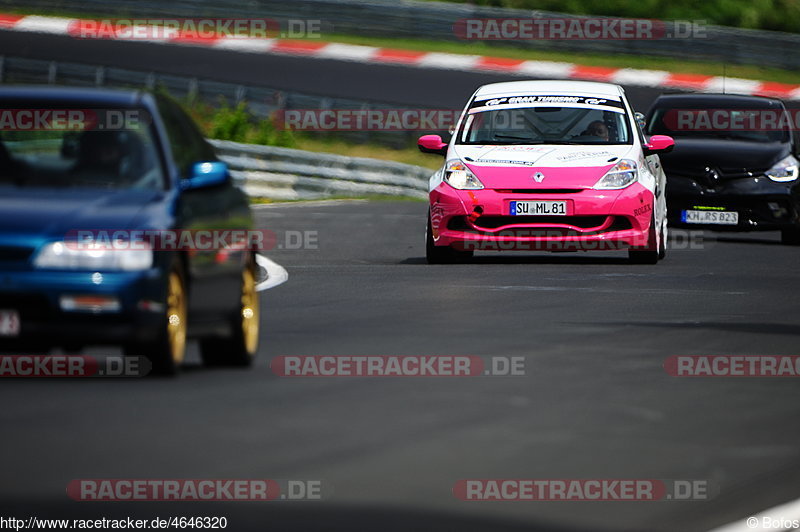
734	158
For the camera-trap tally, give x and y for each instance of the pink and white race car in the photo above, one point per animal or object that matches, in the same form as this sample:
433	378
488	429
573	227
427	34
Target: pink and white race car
547	165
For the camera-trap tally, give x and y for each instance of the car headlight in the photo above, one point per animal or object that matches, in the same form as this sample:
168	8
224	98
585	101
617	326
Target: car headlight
95	257
783	171
457	175
622	175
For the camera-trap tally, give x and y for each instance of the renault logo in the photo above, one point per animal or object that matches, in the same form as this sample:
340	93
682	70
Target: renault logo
538	177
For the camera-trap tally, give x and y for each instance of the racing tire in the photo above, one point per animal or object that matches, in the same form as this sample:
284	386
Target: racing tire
167	352
442	254
239	348
791	236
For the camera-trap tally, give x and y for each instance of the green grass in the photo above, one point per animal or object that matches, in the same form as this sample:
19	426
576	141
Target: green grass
410	155
777	15
238	125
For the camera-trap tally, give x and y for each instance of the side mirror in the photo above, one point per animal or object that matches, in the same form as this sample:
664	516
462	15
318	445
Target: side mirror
432	144
640	119
206	174
659	144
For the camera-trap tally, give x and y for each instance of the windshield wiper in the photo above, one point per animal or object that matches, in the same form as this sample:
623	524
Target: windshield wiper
517	140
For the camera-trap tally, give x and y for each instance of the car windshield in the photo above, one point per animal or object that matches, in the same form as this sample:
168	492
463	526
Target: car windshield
755	122
78	148
545	124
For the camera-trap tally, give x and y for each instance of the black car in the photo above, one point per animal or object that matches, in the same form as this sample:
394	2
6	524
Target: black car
734	166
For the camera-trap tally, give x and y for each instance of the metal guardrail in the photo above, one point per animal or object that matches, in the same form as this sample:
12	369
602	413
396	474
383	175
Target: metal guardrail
261	101
288	174
264	171
434	20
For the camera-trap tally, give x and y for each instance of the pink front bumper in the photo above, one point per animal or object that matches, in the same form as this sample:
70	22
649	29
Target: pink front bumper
595	220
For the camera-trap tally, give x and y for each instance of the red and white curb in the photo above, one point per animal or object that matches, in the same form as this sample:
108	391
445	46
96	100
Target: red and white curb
473	63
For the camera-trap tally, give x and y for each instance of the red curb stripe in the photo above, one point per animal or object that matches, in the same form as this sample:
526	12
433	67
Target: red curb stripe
687	81
498	63
9	21
389	55
593	73
298	47
771	88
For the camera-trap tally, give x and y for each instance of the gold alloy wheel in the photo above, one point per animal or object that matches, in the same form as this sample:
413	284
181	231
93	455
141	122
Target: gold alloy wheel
250	311
176	318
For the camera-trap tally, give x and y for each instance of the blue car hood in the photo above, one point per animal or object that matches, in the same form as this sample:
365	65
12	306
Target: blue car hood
52	213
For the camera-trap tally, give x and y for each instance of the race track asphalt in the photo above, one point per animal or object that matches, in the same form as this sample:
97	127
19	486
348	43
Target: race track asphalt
595	401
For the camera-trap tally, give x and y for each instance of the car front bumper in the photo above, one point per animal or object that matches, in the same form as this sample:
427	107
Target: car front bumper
45	320
762	204
595	219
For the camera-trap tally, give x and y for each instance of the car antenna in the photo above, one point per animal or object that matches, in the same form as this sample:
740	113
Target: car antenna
724	73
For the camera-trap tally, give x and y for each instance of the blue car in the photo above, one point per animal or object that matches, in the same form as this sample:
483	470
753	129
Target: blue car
104	195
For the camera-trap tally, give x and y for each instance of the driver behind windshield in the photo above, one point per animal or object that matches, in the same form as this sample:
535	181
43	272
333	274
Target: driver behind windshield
597	129
107	156
545	125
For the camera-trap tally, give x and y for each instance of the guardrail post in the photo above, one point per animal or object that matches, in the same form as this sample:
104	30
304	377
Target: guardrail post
150	81
52	70
193	90
100	76
2	68
366	134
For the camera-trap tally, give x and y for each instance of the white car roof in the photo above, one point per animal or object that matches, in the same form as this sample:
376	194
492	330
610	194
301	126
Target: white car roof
524	88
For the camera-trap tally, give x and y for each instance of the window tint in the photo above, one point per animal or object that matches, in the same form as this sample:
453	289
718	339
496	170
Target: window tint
82	158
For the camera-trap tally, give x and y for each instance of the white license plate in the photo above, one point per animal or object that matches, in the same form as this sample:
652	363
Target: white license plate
532	208
710	217
9	323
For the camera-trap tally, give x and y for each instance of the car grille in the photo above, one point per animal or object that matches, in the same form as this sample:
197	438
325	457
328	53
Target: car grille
29	306
538	190
542	225
713	175
15	253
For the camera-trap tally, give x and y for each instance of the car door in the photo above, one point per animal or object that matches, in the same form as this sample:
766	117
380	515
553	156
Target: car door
215	272
655	168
